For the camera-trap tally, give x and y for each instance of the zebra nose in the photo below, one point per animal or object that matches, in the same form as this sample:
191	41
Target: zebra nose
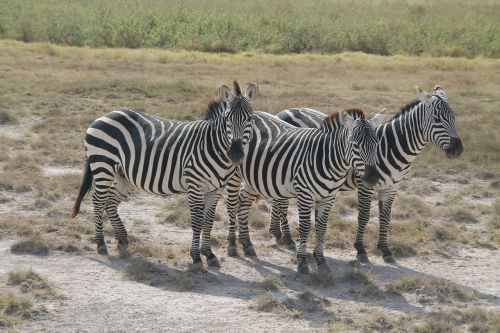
235	152
371	176
456	148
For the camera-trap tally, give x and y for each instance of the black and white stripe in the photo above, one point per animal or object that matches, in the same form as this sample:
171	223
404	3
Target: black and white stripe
429	119
308	164
129	150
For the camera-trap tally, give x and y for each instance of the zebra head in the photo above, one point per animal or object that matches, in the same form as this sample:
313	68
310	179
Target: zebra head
362	144
238	118
440	125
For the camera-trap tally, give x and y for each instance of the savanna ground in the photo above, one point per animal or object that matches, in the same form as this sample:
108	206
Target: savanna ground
445	230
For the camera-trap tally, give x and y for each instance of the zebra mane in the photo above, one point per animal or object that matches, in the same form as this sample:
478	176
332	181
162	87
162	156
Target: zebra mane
236	87
334	118
215	109
407	108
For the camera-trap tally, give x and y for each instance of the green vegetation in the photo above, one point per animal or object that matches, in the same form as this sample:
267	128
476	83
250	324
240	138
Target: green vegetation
445	28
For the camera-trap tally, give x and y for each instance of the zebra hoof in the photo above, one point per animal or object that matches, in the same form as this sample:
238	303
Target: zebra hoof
362	258
213	262
390	259
249	251
303	268
290	244
102	249
232	251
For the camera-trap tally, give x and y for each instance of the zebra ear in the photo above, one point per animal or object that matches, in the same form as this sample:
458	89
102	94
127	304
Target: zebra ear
252	92
423	96
347	120
225	94
378	119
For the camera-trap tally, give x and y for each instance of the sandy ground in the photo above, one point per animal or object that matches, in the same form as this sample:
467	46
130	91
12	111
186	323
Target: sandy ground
99	298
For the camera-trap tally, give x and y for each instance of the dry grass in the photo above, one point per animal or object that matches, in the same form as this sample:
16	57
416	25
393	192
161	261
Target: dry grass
14	308
431	289
31	282
271	283
34	245
177	212
474	319
268	303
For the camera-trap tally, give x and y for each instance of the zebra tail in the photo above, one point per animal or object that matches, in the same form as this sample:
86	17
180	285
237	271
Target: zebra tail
84	188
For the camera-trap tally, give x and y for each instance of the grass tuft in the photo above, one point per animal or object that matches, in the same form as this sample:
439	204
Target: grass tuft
34	245
442	290
14	308
272	283
34	283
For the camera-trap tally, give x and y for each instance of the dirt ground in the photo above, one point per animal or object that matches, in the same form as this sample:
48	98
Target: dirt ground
445	225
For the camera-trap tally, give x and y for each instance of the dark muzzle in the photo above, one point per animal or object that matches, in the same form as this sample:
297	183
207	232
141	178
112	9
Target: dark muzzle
371	176
235	152
456	148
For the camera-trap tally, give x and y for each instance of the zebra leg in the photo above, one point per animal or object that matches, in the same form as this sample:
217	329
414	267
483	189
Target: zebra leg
211	200
196	208
305	204
246	198
102	183
365	196
279	224
99	234
119	191
232	202
322	212
386	198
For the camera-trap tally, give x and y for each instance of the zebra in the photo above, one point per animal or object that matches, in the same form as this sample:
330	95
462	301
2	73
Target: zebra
427	119
284	162
129	150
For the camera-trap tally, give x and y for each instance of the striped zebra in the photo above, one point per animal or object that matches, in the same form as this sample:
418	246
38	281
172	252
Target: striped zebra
428	119
287	162
129	150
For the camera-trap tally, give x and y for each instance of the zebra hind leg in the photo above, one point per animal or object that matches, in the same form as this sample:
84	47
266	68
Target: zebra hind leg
196	208
285	228
305	207
99	198
119	191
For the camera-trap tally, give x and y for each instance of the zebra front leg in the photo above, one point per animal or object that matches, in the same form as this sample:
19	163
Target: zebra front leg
246	198
196	208
274	226
386	199
211	200
322	212
232	202
305	204
279	224
365	196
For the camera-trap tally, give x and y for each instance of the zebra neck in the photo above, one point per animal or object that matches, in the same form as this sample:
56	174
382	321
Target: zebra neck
336	151
405	135
218	141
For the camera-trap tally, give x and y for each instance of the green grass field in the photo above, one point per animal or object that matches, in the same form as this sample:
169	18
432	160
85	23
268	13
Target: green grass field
386	27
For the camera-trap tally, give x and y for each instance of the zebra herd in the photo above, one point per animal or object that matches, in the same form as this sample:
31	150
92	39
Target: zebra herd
299	153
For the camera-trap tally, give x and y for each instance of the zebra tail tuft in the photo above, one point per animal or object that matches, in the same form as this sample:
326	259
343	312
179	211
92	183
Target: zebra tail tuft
84	188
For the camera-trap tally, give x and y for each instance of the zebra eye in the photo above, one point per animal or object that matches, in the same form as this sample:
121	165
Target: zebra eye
437	119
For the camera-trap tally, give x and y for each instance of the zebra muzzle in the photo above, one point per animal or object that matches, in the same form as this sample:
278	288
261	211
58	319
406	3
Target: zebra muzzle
235	152
371	176
456	148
